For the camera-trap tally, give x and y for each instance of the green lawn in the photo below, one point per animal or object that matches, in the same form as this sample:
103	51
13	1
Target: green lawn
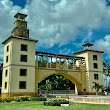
36	105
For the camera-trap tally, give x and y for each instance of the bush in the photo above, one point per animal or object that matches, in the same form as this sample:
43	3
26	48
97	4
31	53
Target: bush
38	99
7	100
55	102
0	100
17	99
22	98
25	98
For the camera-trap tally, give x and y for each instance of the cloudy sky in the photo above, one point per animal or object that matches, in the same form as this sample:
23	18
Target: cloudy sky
61	26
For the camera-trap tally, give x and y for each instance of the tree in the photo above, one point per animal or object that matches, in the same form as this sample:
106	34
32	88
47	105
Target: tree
47	86
106	68
106	72
58	82
97	87
1	68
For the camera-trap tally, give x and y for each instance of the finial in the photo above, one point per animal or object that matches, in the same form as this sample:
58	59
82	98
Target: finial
20	16
87	45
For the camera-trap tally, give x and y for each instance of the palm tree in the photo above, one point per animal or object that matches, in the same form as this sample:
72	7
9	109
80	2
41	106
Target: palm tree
106	72
106	68
97	87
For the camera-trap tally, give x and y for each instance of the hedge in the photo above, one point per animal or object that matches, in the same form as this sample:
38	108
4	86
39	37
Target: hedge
21	98
55	102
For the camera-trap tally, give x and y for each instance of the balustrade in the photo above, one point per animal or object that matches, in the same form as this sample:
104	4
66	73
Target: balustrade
59	61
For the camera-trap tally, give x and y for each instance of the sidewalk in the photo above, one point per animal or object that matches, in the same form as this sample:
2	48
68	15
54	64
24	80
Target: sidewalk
91	99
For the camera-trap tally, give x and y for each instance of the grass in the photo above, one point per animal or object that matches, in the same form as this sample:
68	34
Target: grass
36	105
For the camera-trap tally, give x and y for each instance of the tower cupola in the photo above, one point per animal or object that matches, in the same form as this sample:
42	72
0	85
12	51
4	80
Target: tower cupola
87	46
20	26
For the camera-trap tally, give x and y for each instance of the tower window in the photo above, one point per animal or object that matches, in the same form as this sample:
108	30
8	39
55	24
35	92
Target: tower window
23	72
23	58
95	65
7	48
94	57
6	73
22	84
6	59
96	76
5	85
24	47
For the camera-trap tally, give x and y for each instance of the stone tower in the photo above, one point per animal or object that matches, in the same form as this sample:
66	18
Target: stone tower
19	61
94	69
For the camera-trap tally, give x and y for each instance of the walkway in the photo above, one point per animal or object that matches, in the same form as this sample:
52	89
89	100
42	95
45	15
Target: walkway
93	99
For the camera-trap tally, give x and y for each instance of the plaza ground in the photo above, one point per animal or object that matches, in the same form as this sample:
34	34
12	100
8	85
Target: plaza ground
36	105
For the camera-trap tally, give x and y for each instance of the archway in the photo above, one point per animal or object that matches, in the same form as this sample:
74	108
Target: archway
58	84
44	74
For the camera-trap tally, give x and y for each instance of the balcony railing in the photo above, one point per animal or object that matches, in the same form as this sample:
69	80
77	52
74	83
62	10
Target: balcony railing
56	65
59	61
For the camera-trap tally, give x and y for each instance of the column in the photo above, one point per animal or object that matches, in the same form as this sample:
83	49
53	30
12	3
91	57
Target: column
76	91
56	62
47	62
36	61
68	63
51	63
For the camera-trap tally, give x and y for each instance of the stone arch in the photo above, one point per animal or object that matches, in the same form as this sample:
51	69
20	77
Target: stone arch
66	75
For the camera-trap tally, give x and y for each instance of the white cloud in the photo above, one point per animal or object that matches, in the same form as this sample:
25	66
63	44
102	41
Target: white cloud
103	44
7	11
58	22
55	21
65	51
88	37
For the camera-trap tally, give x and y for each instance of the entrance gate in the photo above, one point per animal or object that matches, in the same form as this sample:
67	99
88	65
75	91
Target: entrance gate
21	73
73	68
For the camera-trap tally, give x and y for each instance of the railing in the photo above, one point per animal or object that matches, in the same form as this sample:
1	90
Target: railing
59	92
42	64
51	60
58	65
51	65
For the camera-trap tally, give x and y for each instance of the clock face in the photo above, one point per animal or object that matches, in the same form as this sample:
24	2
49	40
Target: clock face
61	66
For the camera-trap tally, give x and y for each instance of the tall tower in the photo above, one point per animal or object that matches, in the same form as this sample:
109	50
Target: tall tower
94	69
19	61
20	26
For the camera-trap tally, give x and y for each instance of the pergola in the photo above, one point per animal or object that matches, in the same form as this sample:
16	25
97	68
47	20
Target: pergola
60	57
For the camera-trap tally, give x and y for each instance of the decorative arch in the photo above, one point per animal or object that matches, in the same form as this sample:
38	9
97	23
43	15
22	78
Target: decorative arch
66	75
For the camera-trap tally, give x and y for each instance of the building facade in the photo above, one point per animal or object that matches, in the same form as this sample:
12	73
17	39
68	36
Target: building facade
94	67
17	68
22	73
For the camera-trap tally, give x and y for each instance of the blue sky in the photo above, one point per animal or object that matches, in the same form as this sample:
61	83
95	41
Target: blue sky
20	3
61	26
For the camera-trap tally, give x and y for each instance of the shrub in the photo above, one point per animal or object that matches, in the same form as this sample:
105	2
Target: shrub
38	99
7	100
17	99
22	98
55	102
0	100
25	98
